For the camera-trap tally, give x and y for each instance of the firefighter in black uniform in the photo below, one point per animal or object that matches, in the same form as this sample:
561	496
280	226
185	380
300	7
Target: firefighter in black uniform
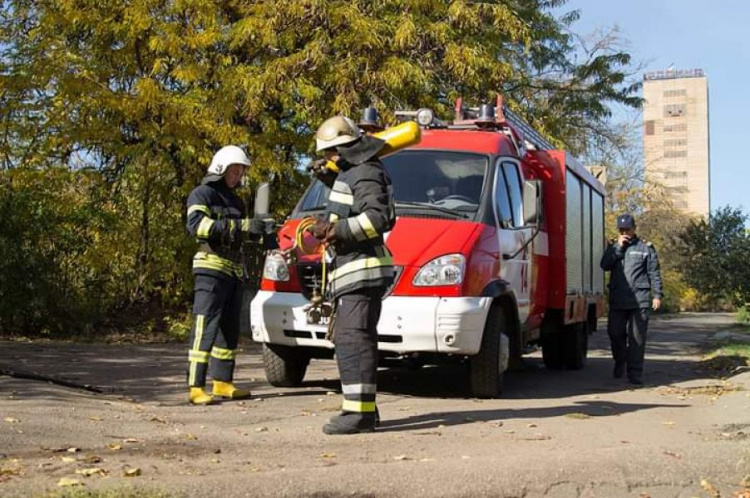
360	210
634	290
216	217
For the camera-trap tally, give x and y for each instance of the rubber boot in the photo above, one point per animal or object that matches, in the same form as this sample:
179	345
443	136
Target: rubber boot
227	390
199	397
350	423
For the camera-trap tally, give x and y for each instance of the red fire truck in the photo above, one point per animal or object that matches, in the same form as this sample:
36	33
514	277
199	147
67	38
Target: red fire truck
497	246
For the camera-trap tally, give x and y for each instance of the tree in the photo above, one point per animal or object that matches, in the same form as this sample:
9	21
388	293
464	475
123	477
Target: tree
716	254
142	92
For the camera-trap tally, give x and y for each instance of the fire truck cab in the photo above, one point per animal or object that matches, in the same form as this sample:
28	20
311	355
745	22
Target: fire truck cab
496	247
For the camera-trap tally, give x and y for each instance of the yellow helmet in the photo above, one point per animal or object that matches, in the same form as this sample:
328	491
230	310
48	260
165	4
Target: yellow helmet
338	130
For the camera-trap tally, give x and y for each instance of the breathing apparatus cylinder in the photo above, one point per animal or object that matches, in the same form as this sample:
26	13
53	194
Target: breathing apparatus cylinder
395	137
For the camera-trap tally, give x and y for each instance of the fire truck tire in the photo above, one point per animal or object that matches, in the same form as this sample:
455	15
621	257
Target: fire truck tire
552	349
284	366
486	366
575	345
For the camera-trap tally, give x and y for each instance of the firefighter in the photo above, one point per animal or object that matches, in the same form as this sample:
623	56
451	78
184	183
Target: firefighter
360	210
216	218
634	291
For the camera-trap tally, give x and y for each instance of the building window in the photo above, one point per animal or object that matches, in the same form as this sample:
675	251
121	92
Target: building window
675	93
674	110
650	127
675	174
668	128
675	153
675	142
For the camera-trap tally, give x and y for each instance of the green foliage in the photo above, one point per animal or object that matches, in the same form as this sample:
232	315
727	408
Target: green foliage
743	315
716	254
132	98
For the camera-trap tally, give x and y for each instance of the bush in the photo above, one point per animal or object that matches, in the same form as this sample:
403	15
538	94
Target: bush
743	315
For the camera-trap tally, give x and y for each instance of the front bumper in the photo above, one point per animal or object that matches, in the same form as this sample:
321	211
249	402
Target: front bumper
448	325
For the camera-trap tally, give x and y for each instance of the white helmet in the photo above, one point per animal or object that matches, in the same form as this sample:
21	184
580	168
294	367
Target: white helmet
338	130
225	157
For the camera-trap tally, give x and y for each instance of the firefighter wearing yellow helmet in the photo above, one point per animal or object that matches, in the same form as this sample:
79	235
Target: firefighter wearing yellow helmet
216	217
359	211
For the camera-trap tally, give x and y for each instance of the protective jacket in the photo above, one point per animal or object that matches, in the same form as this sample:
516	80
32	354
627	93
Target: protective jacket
361	202
214	217
635	274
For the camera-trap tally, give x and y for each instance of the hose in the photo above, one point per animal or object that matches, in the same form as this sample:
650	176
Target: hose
299	243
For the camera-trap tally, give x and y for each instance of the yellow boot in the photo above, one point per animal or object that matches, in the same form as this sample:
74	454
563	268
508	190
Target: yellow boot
200	397
227	390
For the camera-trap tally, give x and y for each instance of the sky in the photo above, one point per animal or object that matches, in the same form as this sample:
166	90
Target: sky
690	34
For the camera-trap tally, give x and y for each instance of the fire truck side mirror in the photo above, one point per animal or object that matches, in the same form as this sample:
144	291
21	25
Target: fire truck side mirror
532	202
262	206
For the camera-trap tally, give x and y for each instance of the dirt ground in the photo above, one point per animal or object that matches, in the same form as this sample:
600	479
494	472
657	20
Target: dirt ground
556	434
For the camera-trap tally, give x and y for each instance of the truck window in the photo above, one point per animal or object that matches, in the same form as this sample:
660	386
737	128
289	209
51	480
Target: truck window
510	170
502	202
447	179
316	197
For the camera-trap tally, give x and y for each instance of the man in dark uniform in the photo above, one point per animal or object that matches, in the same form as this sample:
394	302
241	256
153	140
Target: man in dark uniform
360	210
634	290
216	218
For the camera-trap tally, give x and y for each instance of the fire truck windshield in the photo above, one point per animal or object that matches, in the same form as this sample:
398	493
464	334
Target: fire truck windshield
446	182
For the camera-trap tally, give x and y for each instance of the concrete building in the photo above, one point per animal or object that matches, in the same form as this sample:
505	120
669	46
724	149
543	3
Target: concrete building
676	138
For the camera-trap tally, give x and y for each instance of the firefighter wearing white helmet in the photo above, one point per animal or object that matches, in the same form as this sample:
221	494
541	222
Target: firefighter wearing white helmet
217	218
359	211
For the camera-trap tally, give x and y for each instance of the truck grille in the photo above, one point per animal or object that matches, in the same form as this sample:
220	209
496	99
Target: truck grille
311	275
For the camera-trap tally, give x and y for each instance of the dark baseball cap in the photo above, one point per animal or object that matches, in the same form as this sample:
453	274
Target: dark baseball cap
625	221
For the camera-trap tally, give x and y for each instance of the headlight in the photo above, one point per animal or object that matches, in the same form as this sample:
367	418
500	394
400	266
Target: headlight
276	268
445	270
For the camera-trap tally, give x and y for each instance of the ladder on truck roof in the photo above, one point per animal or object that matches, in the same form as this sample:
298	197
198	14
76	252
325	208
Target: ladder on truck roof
500	115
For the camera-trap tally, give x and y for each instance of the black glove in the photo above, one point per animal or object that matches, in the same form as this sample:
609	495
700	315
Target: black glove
318	166
324	231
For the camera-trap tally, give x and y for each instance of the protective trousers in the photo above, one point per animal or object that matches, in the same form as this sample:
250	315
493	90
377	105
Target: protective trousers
356	343
216	328
627	334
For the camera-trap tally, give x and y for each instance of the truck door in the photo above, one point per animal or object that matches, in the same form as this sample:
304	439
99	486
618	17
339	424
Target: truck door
515	259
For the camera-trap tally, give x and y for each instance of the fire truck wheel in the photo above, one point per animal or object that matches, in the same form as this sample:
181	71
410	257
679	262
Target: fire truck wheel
284	366
486	367
575	346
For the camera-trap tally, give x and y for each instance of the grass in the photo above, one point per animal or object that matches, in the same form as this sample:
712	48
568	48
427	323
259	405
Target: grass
727	358
122	492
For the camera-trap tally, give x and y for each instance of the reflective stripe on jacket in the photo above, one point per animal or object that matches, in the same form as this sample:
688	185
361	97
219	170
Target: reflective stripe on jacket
214	214
361	201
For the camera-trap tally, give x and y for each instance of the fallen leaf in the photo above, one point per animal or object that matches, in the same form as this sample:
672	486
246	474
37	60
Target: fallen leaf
253	468
327	455
90	472
191	437
73	449
67	481
130	440
95	418
68	459
131	472
158	419
577	415
12	420
10	471
401	457
710	489
114	446
530	425
668	422
92	459
261	429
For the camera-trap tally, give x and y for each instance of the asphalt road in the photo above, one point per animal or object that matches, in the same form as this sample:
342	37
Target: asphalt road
556	434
